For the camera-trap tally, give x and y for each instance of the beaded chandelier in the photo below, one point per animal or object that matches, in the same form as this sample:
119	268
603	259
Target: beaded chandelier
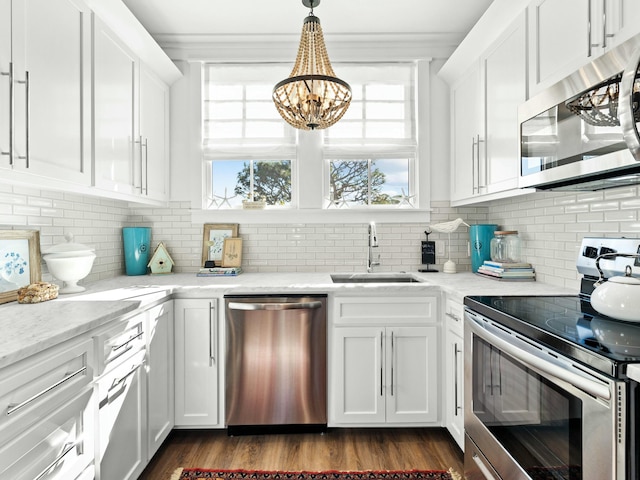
312	97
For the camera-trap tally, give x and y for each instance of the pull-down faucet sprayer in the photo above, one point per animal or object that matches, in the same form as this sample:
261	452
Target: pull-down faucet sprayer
373	243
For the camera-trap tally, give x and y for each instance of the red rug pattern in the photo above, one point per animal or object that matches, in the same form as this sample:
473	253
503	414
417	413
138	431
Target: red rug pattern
198	473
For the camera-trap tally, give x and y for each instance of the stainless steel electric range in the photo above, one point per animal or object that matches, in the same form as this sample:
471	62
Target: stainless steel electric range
546	390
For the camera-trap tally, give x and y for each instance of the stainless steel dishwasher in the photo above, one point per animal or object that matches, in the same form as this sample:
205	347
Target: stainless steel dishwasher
276	363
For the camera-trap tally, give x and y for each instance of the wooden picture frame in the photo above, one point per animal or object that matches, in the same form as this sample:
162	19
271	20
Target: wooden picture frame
232	252
213	240
19	262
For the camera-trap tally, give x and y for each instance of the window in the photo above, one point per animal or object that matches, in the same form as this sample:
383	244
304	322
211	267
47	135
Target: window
371	151
250	153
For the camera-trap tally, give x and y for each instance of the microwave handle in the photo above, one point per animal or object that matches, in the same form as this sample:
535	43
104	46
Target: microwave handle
625	105
531	360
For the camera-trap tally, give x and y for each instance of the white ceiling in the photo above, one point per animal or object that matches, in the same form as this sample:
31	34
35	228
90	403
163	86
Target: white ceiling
340	17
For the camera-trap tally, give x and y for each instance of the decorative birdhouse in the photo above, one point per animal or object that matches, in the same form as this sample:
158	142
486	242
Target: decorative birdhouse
161	262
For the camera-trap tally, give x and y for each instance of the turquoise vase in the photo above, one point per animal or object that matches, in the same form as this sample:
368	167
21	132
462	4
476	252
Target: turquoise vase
136	242
480	239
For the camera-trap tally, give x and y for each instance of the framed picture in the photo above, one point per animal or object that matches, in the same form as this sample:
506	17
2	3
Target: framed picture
213	240
232	252
19	261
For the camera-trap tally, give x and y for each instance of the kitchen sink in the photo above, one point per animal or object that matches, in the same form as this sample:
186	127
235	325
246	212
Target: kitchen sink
374	278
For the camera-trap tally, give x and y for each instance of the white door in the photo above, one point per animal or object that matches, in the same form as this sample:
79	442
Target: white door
160	374
196	363
466	128
52	88
358	395
504	89
115	111
154	133
411	369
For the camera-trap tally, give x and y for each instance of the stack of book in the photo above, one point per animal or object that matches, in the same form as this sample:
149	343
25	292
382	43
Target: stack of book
507	271
219	272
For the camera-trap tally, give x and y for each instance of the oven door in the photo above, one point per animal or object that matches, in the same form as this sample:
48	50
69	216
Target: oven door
530	413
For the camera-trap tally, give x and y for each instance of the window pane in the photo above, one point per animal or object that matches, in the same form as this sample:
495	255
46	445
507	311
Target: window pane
222	130
385	111
261	110
236	180
385	130
385	92
390	178
225	92
224	110
265	129
350	181
224	180
259	92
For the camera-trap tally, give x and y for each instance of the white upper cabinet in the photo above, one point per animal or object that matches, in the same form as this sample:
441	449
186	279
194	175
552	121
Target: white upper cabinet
115	111
484	123
566	34
45	61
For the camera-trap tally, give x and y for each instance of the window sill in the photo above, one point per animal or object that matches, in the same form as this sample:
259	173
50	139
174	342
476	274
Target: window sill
343	215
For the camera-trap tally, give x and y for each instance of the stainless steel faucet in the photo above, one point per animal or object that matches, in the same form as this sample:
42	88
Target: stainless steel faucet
373	243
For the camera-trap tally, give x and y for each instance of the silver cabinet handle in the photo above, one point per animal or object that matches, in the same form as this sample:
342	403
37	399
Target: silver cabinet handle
457	406
392	355
145	145
212	336
473	164
131	339
27	103
590	45
65	450
381	363
454	316
11	114
274	306
112	394
12	408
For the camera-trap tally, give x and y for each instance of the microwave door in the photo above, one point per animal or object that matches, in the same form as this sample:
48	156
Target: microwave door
629	105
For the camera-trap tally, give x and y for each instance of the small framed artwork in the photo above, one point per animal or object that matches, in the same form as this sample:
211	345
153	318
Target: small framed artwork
213	240
19	261
232	252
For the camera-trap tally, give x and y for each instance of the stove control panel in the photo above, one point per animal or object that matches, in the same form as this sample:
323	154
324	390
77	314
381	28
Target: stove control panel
592	247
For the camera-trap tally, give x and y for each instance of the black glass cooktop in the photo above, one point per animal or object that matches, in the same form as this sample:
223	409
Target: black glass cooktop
568	325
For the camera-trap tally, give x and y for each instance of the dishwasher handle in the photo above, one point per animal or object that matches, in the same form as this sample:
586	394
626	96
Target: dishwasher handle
274	306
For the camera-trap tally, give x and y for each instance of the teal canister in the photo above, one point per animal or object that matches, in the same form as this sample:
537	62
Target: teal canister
136	243
480	240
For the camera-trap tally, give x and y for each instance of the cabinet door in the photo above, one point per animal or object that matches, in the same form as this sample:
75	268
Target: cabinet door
160	373
454	383
197	363
154	135
357	395
560	39
123	425
465	125
115	110
411	374
52	88
623	21
504	88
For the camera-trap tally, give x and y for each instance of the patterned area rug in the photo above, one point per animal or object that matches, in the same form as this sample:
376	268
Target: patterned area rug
199	473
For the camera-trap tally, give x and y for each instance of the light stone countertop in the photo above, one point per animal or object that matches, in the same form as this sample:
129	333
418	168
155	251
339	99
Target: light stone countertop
29	329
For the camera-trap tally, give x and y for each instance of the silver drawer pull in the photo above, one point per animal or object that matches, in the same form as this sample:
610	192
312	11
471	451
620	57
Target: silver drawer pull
454	316
135	337
67	448
112	394
12	408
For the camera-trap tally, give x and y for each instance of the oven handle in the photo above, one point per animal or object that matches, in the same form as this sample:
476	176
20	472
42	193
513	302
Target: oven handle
529	359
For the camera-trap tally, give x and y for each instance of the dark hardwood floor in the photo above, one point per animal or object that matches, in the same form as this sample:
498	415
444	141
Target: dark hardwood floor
338	449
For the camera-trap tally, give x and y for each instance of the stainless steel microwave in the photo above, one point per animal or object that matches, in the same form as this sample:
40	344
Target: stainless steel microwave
581	134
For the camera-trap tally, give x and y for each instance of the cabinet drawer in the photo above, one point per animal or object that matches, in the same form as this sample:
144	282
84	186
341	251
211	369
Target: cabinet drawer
37	385
58	447
454	316
122	338
385	311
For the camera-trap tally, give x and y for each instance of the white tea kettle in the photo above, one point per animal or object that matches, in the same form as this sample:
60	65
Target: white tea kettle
618	297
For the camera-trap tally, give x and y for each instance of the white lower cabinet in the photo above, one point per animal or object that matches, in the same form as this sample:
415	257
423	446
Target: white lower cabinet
135	392
453	397
197	364
385	373
160	376
48	414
